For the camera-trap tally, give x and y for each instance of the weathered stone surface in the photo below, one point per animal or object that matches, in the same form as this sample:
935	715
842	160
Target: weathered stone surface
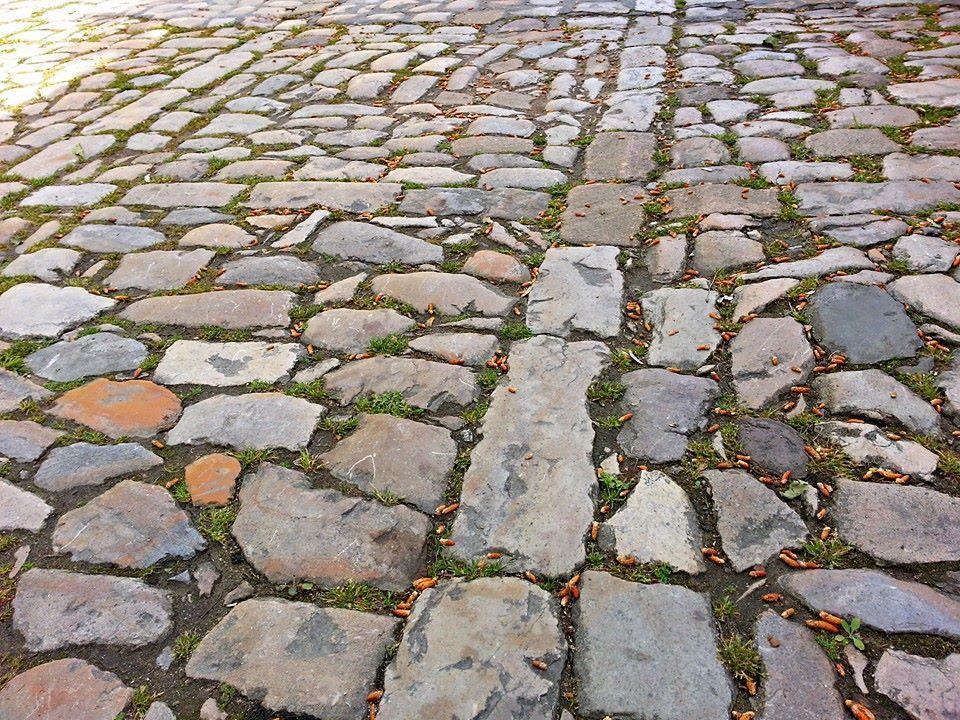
422	383
85	464
925	687
296	657
656	524
937	296
211	479
369	459
21	510
862	323
800	679
231	309
756	297
671	632
774	446
603	214
876	395
47	264
448	293
254	420
578	289
715	198
666	408
183	194
879	600
473	349
223	364
496	266
39	310
271	270
899	196
939	93
898	523
871	446
528	491
137	408
14	389
501	624
25	440
723	249
754	524
112	238
347	331
351	197
683	333
290	531
159	269
842	143
97	354
64	689
55	609
370	243
132	525
758	378
619	156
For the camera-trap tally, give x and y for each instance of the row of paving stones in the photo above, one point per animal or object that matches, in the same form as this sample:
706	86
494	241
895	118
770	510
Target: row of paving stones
266	217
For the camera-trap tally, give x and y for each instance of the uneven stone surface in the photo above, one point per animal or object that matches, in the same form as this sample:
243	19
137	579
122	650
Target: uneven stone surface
61	689
295	656
86	464
350	331
507	622
21	510
288	531
55	609
770	355
423	383
924	687
97	354
37	310
224	364
613	613
527	492
137	408
683	331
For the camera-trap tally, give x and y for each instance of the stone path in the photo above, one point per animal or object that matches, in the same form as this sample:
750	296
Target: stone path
462	359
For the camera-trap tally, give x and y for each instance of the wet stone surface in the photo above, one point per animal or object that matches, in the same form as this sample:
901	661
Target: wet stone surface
468	359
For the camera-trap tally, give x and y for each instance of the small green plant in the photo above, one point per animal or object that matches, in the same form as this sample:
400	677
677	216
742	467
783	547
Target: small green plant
356	596
252	456
606	392
515	331
391	402
445	565
386	497
610	422
180	492
389	345
741	658
829	553
313	390
851	632
215	523
184	646
724	608
307	461
488	379
613	489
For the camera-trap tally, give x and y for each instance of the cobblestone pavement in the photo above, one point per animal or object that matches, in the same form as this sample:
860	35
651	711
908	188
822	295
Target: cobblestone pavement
479	359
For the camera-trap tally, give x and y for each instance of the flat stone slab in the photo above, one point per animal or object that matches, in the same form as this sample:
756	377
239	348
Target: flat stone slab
132	525
766	354
577	289
800	679
944	92
69	196
21	510
898	523
195	362
369	459
925	687
502	203
899	196
182	194
159	269
290	531
666	407
875	395
230	309
271	270
869	445
672	639
528	490
717	198
682	331
212	479
447	293
347	196
502	625
347	331
253	420
473	349
603	214
774	446
38	310
937	296
137	408
112	238
62	689
85	464
862	322
351	240
754	524
656	524
829	261
25	440
619	156
423	383
843	143
296	657
879	600
55	609
101	353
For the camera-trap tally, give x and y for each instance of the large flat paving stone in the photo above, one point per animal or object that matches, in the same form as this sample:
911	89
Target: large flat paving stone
369	459
467	651
619	156
352	240
869	445
64	690
159	269
224	364
347	196
25	440
682	332
923	686
577	289
83	463
101	353
132	525
769	356
347	331
899	196
112	238
937	296
529	488
296	657
252	420
603	214
423	383
660	639
21	510
230	309
136	408
290	531
446	293
55	609
38	310
183	194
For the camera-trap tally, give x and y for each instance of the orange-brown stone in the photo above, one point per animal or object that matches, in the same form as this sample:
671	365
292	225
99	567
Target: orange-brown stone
136	408
211	479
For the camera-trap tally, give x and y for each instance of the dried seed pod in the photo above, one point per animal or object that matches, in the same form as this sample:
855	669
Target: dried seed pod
374	695
859	710
822	625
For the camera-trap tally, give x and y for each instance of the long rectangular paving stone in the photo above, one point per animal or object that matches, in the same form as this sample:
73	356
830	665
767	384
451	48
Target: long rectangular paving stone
185	194
224	308
141	109
352	197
